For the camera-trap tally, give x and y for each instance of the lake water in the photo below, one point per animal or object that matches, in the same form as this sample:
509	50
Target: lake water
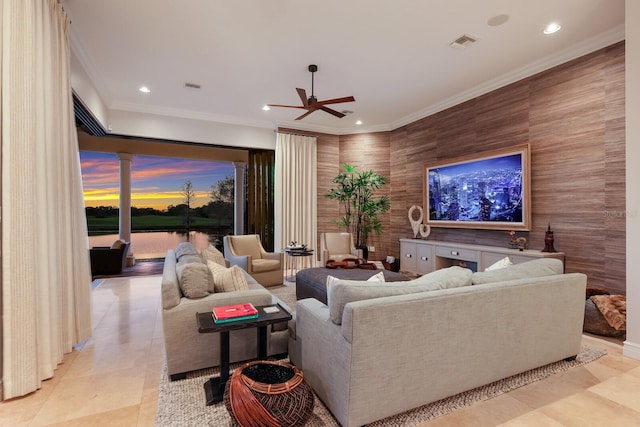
154	244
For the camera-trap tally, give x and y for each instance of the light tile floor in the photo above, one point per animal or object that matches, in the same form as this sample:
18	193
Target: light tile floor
112	380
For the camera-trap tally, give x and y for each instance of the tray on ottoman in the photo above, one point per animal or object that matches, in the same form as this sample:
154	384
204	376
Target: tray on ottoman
312	282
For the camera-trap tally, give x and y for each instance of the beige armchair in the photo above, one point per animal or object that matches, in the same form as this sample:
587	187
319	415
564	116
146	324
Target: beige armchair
337	247
247	252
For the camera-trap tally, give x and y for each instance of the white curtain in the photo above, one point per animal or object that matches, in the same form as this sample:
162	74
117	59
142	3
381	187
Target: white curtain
296	193
46	279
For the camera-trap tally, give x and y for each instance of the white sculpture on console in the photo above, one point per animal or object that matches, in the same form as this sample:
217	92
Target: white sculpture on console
425	230
416	224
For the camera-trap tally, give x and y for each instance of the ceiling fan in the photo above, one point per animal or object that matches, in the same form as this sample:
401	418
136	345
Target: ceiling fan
312	104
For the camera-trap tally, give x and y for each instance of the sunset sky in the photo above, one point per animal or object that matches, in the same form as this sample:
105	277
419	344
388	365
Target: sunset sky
156	182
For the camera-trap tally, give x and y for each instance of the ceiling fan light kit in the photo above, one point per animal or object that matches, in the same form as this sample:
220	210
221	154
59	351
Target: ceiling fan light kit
312	104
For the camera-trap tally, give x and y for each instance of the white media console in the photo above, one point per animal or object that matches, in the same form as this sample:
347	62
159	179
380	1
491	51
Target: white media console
424	256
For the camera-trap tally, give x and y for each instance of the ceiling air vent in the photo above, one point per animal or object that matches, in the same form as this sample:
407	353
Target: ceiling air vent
462	41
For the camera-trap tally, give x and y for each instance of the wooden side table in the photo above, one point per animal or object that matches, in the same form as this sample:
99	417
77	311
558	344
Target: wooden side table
214	387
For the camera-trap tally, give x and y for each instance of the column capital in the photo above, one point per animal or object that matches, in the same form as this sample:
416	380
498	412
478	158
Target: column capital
239	165
125	156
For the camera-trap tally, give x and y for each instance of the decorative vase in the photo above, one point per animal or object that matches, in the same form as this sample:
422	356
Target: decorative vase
548	240
270	394
365	252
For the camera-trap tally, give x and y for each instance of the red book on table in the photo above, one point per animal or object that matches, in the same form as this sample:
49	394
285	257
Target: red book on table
233	311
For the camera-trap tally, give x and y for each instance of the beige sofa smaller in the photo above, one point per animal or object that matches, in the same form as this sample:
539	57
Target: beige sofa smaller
187	349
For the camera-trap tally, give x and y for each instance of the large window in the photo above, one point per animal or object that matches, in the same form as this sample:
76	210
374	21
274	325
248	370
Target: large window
172	200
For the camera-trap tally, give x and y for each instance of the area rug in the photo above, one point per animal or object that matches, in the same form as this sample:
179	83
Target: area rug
182	403
286	293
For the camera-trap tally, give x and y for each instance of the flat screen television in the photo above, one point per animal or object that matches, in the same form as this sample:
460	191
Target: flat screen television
489	190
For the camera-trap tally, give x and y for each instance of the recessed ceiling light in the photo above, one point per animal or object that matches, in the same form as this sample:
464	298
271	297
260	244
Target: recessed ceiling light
552	28
359	122
266	108
144	89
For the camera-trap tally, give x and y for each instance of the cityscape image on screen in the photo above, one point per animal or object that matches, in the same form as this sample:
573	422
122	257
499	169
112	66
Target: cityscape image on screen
484	190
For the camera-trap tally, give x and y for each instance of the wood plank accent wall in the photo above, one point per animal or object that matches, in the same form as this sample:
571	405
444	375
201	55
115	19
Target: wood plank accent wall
573	118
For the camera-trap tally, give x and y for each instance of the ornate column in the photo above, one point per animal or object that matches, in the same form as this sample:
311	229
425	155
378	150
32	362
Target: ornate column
238	199
125	202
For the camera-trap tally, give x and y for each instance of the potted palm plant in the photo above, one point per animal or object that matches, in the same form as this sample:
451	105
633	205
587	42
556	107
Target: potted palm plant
355	191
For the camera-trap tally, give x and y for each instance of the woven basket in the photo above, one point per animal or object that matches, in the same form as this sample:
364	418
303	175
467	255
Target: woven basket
263	393
392	266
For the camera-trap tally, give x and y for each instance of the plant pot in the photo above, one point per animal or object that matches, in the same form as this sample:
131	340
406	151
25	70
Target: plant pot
365	251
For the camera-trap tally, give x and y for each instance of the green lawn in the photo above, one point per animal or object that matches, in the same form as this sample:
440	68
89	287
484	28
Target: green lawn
151	222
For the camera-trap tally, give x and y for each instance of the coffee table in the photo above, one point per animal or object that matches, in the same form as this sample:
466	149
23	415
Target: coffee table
214	387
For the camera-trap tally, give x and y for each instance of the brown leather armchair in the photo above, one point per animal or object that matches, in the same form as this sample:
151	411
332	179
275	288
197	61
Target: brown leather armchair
109	260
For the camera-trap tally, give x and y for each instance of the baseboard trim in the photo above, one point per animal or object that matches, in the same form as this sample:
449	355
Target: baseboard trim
631	349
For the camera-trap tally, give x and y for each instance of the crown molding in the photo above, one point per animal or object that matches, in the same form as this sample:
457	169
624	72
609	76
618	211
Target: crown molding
367	129
332	130
603	40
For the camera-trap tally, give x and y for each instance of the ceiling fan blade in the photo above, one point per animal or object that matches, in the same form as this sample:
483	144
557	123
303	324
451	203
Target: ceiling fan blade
306	114
335	101
303	97
287	106
330	111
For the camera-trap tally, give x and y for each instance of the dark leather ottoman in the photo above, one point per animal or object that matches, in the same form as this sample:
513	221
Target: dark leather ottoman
312	282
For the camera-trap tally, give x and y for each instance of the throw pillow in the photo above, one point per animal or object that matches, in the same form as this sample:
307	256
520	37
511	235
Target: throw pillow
444	278
342	294
536	268
195	279
227	279
378	277
504	262
211	253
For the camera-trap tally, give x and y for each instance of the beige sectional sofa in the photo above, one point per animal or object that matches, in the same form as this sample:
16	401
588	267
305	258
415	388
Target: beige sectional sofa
381	349
187	349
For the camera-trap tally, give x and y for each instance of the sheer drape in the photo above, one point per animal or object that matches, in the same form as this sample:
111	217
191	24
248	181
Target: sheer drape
46	279
296	193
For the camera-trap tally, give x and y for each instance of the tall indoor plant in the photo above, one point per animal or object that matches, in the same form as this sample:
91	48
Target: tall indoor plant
355	191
